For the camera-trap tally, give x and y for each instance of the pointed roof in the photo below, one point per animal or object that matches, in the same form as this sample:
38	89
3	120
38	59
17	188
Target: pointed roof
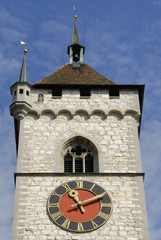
23	75
76	46
70	75
75	34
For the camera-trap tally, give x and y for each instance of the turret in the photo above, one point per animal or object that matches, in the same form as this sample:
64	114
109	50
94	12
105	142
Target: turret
20	92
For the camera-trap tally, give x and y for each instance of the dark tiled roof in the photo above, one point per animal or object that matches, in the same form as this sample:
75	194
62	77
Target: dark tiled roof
67	75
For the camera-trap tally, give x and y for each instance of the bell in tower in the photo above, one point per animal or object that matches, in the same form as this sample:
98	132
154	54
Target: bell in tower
75	50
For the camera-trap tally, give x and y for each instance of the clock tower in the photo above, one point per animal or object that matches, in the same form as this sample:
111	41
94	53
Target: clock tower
79	174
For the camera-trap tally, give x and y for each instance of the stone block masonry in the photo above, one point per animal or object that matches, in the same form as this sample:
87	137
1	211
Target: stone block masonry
31	220
111	124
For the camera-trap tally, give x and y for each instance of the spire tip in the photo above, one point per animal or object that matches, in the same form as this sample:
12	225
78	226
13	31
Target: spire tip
75	17
25	51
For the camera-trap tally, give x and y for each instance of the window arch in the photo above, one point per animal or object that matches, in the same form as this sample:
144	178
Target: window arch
80	156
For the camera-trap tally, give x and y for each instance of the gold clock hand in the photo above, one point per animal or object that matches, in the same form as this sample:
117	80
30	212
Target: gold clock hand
74	194
89	199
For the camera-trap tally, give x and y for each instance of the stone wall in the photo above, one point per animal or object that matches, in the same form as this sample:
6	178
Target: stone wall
110	123
127	222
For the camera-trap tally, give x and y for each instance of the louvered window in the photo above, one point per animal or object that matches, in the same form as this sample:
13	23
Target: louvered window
89	163
68	163
78	159
78	164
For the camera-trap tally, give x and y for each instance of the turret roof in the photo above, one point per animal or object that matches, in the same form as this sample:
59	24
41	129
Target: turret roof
23	75
75	34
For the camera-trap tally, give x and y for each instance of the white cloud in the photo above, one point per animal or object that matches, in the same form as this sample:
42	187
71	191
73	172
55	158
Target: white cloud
11	66
157	2
54	27
9	34
49	52
12	31
8	19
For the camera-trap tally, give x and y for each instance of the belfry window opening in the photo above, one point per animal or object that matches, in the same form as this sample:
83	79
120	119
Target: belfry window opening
80	157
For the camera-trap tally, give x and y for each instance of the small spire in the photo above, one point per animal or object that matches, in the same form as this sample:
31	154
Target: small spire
23	75
75	50
75	32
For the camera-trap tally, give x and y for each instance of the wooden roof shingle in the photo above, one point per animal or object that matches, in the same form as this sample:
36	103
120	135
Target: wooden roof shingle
67	75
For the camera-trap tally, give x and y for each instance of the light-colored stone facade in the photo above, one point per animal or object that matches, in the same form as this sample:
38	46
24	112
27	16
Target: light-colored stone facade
111	124
127	221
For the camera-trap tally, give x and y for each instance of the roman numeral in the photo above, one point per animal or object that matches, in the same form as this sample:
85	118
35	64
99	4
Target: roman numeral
56	215
106	204
94	224
53	204
66	186
79	184
80	226
59	195
102	215
92	187
66	223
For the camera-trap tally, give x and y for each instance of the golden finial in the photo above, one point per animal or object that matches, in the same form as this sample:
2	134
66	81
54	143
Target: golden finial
75	17
25	50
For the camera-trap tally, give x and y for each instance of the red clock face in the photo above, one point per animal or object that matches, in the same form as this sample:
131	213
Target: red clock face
79	206
74	213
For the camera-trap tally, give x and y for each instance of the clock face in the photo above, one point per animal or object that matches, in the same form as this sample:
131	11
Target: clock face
79	206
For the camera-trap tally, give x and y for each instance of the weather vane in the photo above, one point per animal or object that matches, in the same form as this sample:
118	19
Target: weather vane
25	44
75	16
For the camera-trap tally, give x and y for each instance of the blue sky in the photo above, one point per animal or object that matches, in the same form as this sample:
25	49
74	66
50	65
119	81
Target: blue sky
123	42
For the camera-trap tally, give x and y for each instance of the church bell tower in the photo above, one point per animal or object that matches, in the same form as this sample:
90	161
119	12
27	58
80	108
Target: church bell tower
79	174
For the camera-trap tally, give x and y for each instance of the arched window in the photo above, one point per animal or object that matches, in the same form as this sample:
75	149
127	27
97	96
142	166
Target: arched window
80	156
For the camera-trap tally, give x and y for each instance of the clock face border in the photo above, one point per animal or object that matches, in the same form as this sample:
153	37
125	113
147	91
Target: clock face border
59	219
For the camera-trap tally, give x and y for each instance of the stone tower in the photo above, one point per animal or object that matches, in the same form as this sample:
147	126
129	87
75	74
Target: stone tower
79	174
